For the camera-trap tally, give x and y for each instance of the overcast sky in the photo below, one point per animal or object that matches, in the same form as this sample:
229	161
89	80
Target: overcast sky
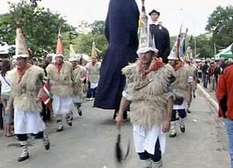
191	13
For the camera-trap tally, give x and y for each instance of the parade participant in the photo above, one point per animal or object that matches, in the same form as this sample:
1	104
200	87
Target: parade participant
26	81
212	79
192	73
5	95
160	35
225	99
45	94
79	77
121	32
205	73
151	105
194	69
182	90
147	91
93	70
61	83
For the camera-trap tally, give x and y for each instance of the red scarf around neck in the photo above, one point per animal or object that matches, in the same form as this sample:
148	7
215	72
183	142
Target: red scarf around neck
21	71
59	67
178	65
155	65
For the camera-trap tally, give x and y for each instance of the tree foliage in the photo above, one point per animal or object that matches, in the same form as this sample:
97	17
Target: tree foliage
97	27
40	26
83	43
204	46
220	23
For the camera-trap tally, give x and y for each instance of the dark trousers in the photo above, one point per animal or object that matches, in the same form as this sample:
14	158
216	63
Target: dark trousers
91	91
24	137
181	112
205	80
157	154
1	116
45	113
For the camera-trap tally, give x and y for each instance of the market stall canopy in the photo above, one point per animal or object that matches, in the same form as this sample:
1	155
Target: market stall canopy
225	53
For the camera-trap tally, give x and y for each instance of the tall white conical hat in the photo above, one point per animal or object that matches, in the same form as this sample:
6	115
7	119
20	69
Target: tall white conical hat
60	46
177	52
21	45
72	52
93	51
146	43
72	56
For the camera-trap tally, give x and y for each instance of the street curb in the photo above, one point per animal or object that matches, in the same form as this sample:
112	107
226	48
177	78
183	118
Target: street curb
212	102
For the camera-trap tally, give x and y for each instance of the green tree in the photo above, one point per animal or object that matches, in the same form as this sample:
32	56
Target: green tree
40	26
83	43
204	46
98	27
220	23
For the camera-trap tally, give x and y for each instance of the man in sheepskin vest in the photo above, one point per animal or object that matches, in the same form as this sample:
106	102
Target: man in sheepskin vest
26	82
80	86
147	88
60	79
147	91
93	74
182	91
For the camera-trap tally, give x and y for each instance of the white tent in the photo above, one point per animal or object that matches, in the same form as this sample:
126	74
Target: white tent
85	57
5	48
225	52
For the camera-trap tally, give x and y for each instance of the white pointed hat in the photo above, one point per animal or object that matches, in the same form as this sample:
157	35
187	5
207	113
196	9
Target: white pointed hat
21	45
93	51
60	46
177	52
72	52
146	42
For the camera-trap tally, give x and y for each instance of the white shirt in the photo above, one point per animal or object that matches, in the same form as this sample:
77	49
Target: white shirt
5	87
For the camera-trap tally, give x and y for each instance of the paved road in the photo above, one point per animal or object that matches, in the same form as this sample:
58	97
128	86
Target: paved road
90	143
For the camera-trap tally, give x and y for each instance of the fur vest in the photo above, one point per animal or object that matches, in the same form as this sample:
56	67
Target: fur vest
94	71
148	96
180	86
61	83
25	92
79	75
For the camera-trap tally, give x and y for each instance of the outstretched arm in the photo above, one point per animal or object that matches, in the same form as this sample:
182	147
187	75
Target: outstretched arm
167	115
123	106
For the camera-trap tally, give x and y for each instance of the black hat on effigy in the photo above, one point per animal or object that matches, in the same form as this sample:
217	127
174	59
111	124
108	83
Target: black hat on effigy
154	11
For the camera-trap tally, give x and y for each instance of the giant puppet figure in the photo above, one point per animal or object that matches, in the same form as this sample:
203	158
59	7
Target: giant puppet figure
121	33
160	35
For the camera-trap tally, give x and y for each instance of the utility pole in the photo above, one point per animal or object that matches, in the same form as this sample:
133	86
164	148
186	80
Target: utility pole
195	47
215	52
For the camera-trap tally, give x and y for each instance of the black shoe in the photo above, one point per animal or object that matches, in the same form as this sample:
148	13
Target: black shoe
69	119
188	111
125	115
182	129
59	129
22	158
47	146
173	135
114	115
69	123
46	143
80	113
